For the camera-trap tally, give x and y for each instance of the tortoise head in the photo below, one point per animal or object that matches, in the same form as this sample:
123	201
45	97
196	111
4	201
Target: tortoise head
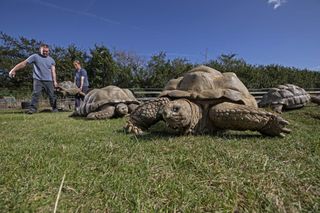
180	114
122	109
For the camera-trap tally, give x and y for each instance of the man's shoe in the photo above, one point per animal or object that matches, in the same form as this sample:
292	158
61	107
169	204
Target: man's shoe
30	111
55	110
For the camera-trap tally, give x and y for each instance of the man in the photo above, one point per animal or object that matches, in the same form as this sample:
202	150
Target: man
81	80
44	77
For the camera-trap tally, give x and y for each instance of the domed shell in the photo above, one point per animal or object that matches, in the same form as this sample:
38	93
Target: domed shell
289	95
205	83
110	94
67	85
68	88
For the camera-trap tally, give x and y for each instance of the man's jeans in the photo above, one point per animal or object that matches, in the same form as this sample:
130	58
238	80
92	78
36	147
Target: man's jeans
79	98
38	86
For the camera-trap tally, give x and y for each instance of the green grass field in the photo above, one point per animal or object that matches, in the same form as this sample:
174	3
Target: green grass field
107	170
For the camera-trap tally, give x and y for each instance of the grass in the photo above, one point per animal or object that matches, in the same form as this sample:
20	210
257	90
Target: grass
107	170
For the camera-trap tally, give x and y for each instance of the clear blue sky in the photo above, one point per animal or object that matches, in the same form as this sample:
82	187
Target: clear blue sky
285	32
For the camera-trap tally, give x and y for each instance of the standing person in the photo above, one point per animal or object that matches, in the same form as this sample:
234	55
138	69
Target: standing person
82	82
44	77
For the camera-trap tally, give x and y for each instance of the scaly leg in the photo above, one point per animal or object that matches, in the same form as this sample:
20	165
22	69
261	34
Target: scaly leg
105	113
240	117
145	115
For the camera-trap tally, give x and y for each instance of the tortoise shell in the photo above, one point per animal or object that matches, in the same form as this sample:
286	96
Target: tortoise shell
288	95
205	83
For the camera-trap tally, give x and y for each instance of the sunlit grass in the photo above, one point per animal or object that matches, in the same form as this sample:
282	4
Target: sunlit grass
107	169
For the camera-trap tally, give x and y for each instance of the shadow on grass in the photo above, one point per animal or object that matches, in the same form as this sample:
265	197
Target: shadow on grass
162	134
147	136
89	119
241	135
50	111
6	112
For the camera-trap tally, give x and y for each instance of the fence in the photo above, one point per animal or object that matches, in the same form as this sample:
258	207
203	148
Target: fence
66	103
142	94
145	94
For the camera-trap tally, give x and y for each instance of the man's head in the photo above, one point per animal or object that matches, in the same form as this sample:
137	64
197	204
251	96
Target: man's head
44	50
77	64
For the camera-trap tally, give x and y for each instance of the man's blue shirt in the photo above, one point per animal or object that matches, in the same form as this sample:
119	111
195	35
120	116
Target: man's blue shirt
41	67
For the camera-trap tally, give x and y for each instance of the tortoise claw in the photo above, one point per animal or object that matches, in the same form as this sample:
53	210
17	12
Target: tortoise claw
131	128
283	122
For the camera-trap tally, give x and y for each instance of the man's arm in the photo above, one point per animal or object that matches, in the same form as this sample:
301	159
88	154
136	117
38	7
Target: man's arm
82	80
54	76
19	66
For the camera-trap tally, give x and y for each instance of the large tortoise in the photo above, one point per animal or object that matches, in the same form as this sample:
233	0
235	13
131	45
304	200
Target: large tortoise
283	97
107	102
206	101
69	88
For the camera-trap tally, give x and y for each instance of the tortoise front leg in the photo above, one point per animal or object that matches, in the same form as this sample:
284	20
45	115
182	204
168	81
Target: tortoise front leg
105	113
145	115
277	108
240	117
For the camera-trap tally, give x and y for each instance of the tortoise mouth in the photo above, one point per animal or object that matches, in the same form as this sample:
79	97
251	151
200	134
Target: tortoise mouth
174	122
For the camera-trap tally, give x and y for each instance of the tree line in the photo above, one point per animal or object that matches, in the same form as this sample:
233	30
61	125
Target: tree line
107	66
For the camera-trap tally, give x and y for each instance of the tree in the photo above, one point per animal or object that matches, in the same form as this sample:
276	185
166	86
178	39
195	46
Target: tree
129	68
102	67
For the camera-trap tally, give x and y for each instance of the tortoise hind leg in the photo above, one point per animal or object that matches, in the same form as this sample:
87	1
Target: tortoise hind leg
240	117
105	113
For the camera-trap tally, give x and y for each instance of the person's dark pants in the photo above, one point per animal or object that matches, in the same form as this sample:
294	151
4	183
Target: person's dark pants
48	87
79	98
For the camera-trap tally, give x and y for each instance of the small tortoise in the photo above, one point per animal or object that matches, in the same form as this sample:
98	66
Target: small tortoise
107	102
69	88
206	101
284	97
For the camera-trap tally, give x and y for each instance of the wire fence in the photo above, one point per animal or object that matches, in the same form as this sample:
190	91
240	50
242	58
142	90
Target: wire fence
142	94
145	94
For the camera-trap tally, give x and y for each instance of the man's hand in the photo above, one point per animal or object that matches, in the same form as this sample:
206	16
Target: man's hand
55	83
19	66
12	73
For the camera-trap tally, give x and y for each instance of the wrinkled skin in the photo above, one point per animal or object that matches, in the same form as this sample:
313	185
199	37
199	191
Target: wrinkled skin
177	113
187	117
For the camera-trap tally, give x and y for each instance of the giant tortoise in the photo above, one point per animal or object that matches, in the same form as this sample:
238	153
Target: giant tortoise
205	100
107	102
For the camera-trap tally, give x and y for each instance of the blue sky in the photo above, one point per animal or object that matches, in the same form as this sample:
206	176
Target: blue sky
285	32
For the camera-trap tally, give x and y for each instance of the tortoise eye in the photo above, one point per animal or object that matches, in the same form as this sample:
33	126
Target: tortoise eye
175	109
